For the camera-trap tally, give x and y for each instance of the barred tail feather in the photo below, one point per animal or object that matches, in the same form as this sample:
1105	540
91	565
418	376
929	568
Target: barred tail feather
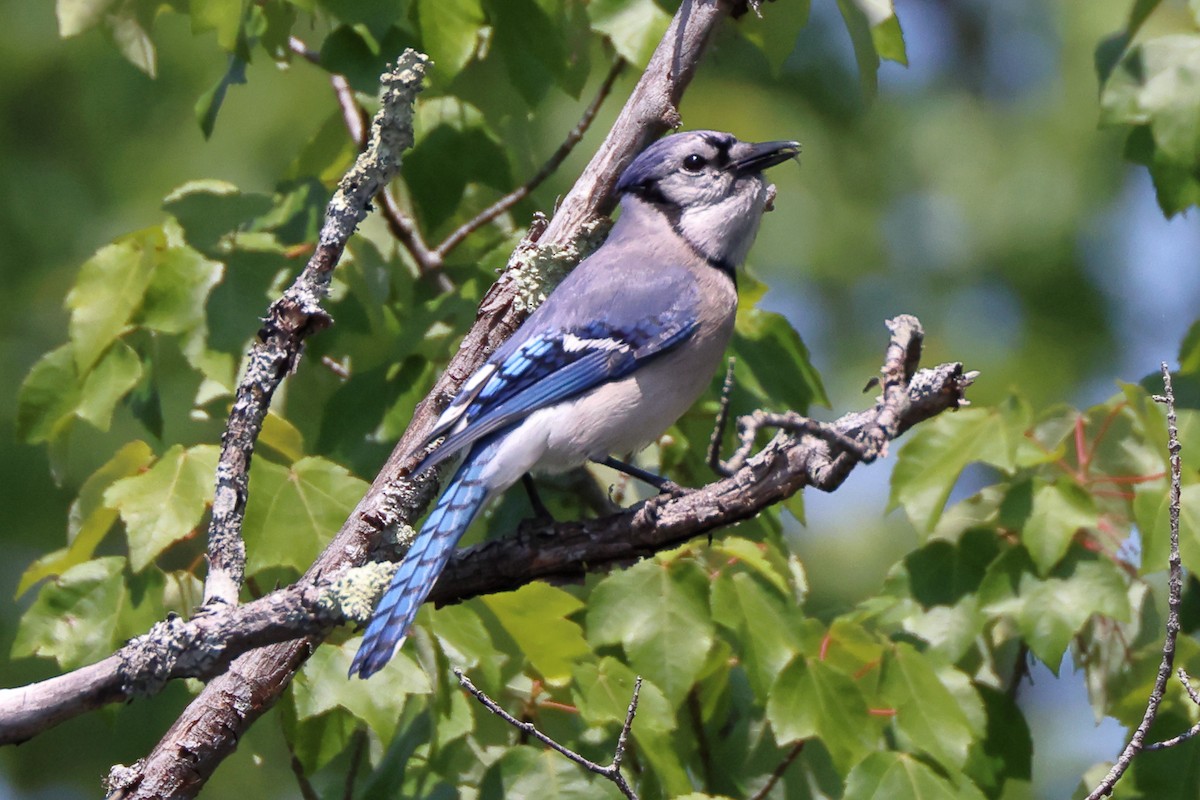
422	564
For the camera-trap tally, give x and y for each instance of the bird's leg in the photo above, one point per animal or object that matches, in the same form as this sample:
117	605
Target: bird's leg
664	485
540	512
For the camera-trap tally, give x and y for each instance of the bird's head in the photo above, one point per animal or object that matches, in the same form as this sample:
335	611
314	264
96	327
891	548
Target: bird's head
709	185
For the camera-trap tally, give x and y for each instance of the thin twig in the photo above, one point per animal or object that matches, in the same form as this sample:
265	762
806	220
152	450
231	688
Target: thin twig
777	773
1190	732
356	757
402	227
750	424
509	200
354	116
713	456
866	444
1174	740
694	711
1187	685
1174	600
404	230
306	788
612	772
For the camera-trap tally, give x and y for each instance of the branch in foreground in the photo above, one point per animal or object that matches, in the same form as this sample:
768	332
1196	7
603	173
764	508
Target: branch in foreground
1174	600
293	317
612	772
209	728
204	646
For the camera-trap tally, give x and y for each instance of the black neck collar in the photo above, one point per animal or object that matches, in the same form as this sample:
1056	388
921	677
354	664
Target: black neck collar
651	194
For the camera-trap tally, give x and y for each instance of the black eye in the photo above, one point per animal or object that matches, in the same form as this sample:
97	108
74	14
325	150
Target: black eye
694	163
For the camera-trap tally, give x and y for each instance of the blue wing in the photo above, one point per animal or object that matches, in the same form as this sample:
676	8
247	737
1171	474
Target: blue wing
549	368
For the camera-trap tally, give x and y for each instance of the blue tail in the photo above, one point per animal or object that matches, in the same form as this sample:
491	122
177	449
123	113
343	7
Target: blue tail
423	563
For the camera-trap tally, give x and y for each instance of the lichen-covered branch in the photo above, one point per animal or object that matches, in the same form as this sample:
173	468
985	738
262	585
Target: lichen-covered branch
294	316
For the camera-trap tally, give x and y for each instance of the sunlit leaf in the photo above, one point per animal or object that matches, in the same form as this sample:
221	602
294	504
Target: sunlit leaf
114	375
659	613
524	771
927	714
1154	87
811	699
294	511
179	290
90	518
1152	510
899	776
48	396
282	436
77	16
317	740
773	361
775	29
129	34
603	690
450	32
108	291
753	555
74	616
1048	613
466	641
222	16
536	617
165	503
763	621
931	461
322	685
633	26
1060	510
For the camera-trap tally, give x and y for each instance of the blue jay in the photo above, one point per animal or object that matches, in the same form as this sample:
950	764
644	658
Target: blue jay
617	354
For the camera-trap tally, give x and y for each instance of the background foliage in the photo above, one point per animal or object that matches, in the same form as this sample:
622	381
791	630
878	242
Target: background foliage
971	188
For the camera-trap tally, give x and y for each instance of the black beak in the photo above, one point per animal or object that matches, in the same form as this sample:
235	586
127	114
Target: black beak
752	158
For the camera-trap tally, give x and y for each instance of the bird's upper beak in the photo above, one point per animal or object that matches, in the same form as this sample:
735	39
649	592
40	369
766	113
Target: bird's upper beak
750	158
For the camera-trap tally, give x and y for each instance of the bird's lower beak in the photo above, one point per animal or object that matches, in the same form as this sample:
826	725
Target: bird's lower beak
754	158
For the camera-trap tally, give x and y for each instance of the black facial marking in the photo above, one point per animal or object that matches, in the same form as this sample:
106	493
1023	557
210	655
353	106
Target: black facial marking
648	190
722	145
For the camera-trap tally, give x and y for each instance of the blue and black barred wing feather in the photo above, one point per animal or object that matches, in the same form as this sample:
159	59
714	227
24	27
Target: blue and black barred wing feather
548	369
424	562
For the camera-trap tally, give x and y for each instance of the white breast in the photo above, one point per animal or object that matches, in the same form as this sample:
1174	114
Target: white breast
624	416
